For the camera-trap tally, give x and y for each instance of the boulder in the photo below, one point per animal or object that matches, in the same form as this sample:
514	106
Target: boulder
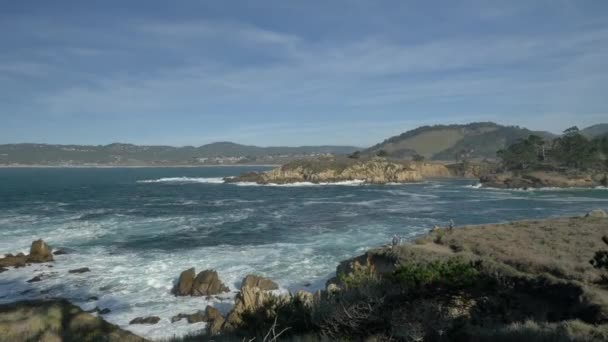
184	284
80	270
145	320
599	213
215	320
40	252
208	283
262	283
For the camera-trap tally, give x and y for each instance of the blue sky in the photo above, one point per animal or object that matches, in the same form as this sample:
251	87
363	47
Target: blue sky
295	72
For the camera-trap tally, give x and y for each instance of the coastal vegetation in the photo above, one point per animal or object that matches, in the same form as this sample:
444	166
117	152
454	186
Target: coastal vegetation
571	160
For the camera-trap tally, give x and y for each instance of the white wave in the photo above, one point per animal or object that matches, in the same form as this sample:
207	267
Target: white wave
474	186
302	184
212	180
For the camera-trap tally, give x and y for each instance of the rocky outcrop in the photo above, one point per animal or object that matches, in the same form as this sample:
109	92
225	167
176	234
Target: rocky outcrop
262	283
597	213
330	170
40	252
215	321
206	283
56	320
145	320
538	179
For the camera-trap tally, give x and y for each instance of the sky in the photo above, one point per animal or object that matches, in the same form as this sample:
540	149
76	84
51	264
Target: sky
295	72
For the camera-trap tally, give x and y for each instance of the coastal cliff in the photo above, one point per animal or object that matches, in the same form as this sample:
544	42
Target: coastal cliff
329	170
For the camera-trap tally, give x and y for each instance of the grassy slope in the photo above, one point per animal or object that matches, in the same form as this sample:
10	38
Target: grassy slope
442	142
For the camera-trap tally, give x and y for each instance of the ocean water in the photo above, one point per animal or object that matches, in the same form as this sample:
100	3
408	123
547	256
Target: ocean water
138	228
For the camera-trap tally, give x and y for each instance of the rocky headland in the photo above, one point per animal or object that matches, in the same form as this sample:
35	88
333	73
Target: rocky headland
342	169
543	179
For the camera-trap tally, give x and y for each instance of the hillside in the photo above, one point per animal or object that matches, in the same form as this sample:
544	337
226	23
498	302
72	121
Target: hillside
135	155
595	131
446	142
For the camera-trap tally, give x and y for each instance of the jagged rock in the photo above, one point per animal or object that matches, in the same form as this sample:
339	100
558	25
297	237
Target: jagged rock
250	299
262	283
215	320
40	252
80	270
184	284
599	213
208	283
92	298
145	320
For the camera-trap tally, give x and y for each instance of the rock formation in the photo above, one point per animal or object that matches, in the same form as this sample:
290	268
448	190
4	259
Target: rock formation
206	283
262	283
323	170
40	252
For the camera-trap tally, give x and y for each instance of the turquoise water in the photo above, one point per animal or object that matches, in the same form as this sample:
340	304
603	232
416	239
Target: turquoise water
138	228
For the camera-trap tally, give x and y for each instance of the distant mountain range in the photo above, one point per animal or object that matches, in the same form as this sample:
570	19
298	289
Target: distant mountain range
475	140
440	142
135	155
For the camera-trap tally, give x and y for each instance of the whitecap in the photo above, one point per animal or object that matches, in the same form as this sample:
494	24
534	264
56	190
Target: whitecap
212	180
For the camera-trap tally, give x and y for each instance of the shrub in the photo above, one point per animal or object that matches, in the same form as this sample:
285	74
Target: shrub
361	276
453	273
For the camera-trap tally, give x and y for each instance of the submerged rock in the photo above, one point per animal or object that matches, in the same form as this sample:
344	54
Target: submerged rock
262	283
145	320
60	252
35	279
80	270
40	252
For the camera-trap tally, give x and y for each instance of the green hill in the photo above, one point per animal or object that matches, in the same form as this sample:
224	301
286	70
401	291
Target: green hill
136	155
445	142
598	130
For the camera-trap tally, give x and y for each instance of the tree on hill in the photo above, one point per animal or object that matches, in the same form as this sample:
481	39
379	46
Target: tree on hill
355	155
574	150
382	153
417	157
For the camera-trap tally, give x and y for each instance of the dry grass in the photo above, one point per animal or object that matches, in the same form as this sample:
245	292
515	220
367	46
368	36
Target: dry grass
559	247
57	320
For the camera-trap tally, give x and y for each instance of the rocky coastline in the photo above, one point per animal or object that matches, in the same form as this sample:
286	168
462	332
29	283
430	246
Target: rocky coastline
543	179
479	283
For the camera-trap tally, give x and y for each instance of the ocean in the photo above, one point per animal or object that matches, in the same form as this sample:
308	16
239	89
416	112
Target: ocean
138	228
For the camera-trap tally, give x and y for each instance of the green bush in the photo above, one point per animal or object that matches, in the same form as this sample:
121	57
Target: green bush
453	273
362	276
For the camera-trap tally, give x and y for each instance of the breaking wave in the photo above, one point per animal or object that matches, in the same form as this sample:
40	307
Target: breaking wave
183	180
